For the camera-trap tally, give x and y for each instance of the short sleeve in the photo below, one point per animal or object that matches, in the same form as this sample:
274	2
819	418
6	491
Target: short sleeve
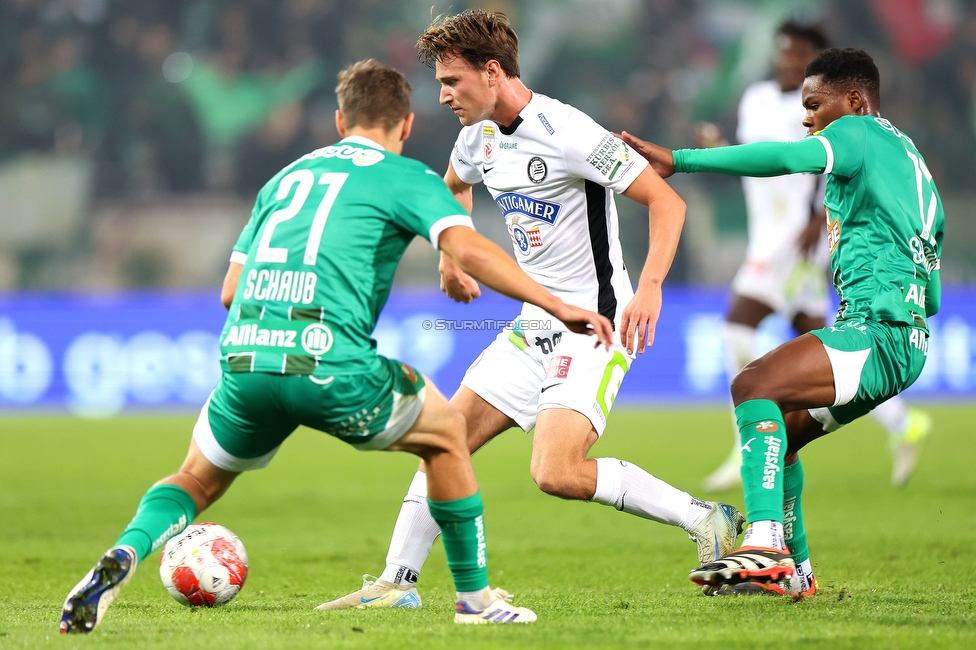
463	158
595	154
843	140
425	205
239	253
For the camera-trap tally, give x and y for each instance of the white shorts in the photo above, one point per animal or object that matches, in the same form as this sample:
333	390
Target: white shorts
789	283
522	375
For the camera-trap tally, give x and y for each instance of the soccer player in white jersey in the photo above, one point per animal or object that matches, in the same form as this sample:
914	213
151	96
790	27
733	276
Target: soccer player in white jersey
552	171
785	270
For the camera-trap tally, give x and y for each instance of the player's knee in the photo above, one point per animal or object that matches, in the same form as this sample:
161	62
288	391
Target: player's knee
452	434
747	385
552	478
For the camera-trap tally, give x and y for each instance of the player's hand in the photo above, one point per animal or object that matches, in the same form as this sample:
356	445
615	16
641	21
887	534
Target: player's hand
639	319
810	237
660	158
458	285
582	321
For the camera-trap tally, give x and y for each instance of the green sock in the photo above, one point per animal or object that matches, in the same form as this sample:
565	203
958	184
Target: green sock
794	533
165	510
463	531
763	436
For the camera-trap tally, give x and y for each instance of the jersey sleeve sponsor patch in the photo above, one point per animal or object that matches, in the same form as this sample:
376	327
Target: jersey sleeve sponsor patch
611	157
545	123
488	140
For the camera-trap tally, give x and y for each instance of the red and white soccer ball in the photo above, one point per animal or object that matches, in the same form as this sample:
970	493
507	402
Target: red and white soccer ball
205	566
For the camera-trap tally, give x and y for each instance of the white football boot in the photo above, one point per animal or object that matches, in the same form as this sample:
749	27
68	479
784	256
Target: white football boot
499	610
717	532
377	593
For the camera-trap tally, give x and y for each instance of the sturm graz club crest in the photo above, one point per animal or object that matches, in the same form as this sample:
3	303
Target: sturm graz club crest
520	238
537	169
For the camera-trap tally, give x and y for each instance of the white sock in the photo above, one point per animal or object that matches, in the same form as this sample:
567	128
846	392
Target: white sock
892	415
740	347
413	535
804	574
740	351
629	488
765	534
478	600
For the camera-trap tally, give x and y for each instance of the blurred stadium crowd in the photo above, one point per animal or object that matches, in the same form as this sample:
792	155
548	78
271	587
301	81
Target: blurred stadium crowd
110	106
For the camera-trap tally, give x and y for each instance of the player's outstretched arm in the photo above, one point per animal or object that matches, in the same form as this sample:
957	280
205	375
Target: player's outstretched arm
660	158
487	262
455	283
666	214
759	159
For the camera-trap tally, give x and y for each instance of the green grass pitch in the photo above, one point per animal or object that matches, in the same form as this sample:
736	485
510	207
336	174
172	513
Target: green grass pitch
896	566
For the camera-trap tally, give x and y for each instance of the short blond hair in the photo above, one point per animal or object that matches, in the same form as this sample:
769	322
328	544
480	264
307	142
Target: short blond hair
372	94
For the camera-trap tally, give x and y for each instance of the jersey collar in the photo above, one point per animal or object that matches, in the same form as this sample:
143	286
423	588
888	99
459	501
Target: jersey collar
358	139
510	129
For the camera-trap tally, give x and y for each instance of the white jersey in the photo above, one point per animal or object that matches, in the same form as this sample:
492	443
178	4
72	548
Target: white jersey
779	207
551	173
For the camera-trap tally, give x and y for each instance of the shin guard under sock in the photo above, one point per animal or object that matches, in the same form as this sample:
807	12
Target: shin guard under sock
763	436
463	531
165	510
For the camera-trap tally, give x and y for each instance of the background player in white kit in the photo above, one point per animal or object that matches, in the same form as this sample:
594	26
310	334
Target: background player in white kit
552	171
785	270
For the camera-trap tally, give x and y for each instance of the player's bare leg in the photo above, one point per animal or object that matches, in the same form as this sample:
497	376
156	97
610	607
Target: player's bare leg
906	427
563	439
739	336
165	510
415	530
439	438
796	376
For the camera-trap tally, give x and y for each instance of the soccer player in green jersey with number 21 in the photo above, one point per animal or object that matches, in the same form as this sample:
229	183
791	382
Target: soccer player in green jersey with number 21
307	281
884	227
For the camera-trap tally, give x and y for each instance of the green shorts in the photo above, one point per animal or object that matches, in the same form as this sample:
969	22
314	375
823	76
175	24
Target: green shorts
872	362
249	414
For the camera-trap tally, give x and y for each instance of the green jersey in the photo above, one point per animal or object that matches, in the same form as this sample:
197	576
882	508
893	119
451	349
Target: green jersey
885	222
319	254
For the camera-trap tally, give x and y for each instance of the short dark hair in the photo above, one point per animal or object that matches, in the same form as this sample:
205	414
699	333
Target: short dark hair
373	94
476	35
812	34
846	69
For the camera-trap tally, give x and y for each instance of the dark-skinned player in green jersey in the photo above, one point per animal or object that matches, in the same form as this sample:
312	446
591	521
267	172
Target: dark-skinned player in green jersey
885	226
